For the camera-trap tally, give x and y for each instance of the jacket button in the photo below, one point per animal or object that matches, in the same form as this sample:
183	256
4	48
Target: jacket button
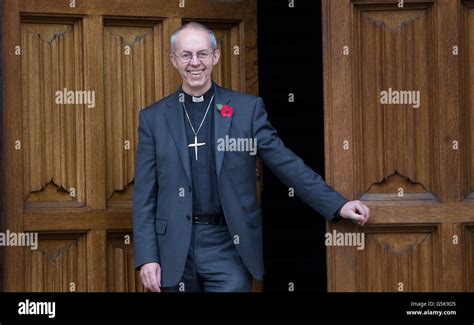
188	217
189	188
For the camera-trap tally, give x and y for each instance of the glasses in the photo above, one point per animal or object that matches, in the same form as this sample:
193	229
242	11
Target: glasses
186	57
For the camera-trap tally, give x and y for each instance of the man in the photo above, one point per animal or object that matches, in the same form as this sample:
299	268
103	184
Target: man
197	223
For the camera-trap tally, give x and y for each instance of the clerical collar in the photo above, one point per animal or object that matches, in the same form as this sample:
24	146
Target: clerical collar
197	99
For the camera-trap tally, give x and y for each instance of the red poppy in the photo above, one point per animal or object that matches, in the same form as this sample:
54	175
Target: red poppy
226	111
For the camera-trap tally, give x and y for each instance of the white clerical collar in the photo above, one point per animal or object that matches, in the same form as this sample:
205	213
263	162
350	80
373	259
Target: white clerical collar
198	99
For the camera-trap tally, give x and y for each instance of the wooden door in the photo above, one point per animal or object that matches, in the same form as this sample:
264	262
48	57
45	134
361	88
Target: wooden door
411	163
77	73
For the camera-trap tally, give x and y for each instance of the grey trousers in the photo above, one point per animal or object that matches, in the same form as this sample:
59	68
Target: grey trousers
213	263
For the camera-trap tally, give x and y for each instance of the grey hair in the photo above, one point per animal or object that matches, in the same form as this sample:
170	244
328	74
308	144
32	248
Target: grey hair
198	26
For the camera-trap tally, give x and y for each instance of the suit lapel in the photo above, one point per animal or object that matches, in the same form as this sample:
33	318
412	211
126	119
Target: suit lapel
221	125
174	118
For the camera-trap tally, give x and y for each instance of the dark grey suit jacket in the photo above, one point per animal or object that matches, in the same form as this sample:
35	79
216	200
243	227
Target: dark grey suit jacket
162	214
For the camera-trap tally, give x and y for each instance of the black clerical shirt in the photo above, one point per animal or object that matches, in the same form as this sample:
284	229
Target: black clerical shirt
206	198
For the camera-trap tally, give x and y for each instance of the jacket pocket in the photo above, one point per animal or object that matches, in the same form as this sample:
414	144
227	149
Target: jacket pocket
160	226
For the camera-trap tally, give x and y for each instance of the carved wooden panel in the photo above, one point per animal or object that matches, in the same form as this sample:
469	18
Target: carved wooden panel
53	111
58	264
403	259
133	80
398	135
122	276
395	137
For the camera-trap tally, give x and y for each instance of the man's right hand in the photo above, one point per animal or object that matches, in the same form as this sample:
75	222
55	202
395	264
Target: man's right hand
150	274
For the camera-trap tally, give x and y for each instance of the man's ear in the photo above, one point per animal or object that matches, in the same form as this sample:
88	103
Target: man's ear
217	55
173	60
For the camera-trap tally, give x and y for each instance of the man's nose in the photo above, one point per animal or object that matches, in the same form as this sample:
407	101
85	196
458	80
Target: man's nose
195	61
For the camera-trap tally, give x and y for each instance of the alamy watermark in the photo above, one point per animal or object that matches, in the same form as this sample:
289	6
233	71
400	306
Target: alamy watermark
75	97
237	144
10	238
336	238
28	307
402	97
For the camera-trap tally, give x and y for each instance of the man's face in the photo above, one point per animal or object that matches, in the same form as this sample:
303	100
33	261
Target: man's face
194	59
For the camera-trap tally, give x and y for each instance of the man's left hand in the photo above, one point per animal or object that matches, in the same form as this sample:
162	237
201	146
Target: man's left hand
356	211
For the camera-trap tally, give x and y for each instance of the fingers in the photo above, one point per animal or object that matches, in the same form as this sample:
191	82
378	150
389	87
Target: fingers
151	278
364	213
356	217
143	279
153	282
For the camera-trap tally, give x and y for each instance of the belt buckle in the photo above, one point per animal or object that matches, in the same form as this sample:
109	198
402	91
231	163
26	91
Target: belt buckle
210	220
199	222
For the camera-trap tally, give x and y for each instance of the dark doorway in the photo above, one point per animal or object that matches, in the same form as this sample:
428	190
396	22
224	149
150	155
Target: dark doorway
290	61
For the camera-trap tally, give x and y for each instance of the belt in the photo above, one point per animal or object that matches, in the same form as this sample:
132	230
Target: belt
209	219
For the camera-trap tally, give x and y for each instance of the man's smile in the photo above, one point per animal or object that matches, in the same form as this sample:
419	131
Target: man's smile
195	72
